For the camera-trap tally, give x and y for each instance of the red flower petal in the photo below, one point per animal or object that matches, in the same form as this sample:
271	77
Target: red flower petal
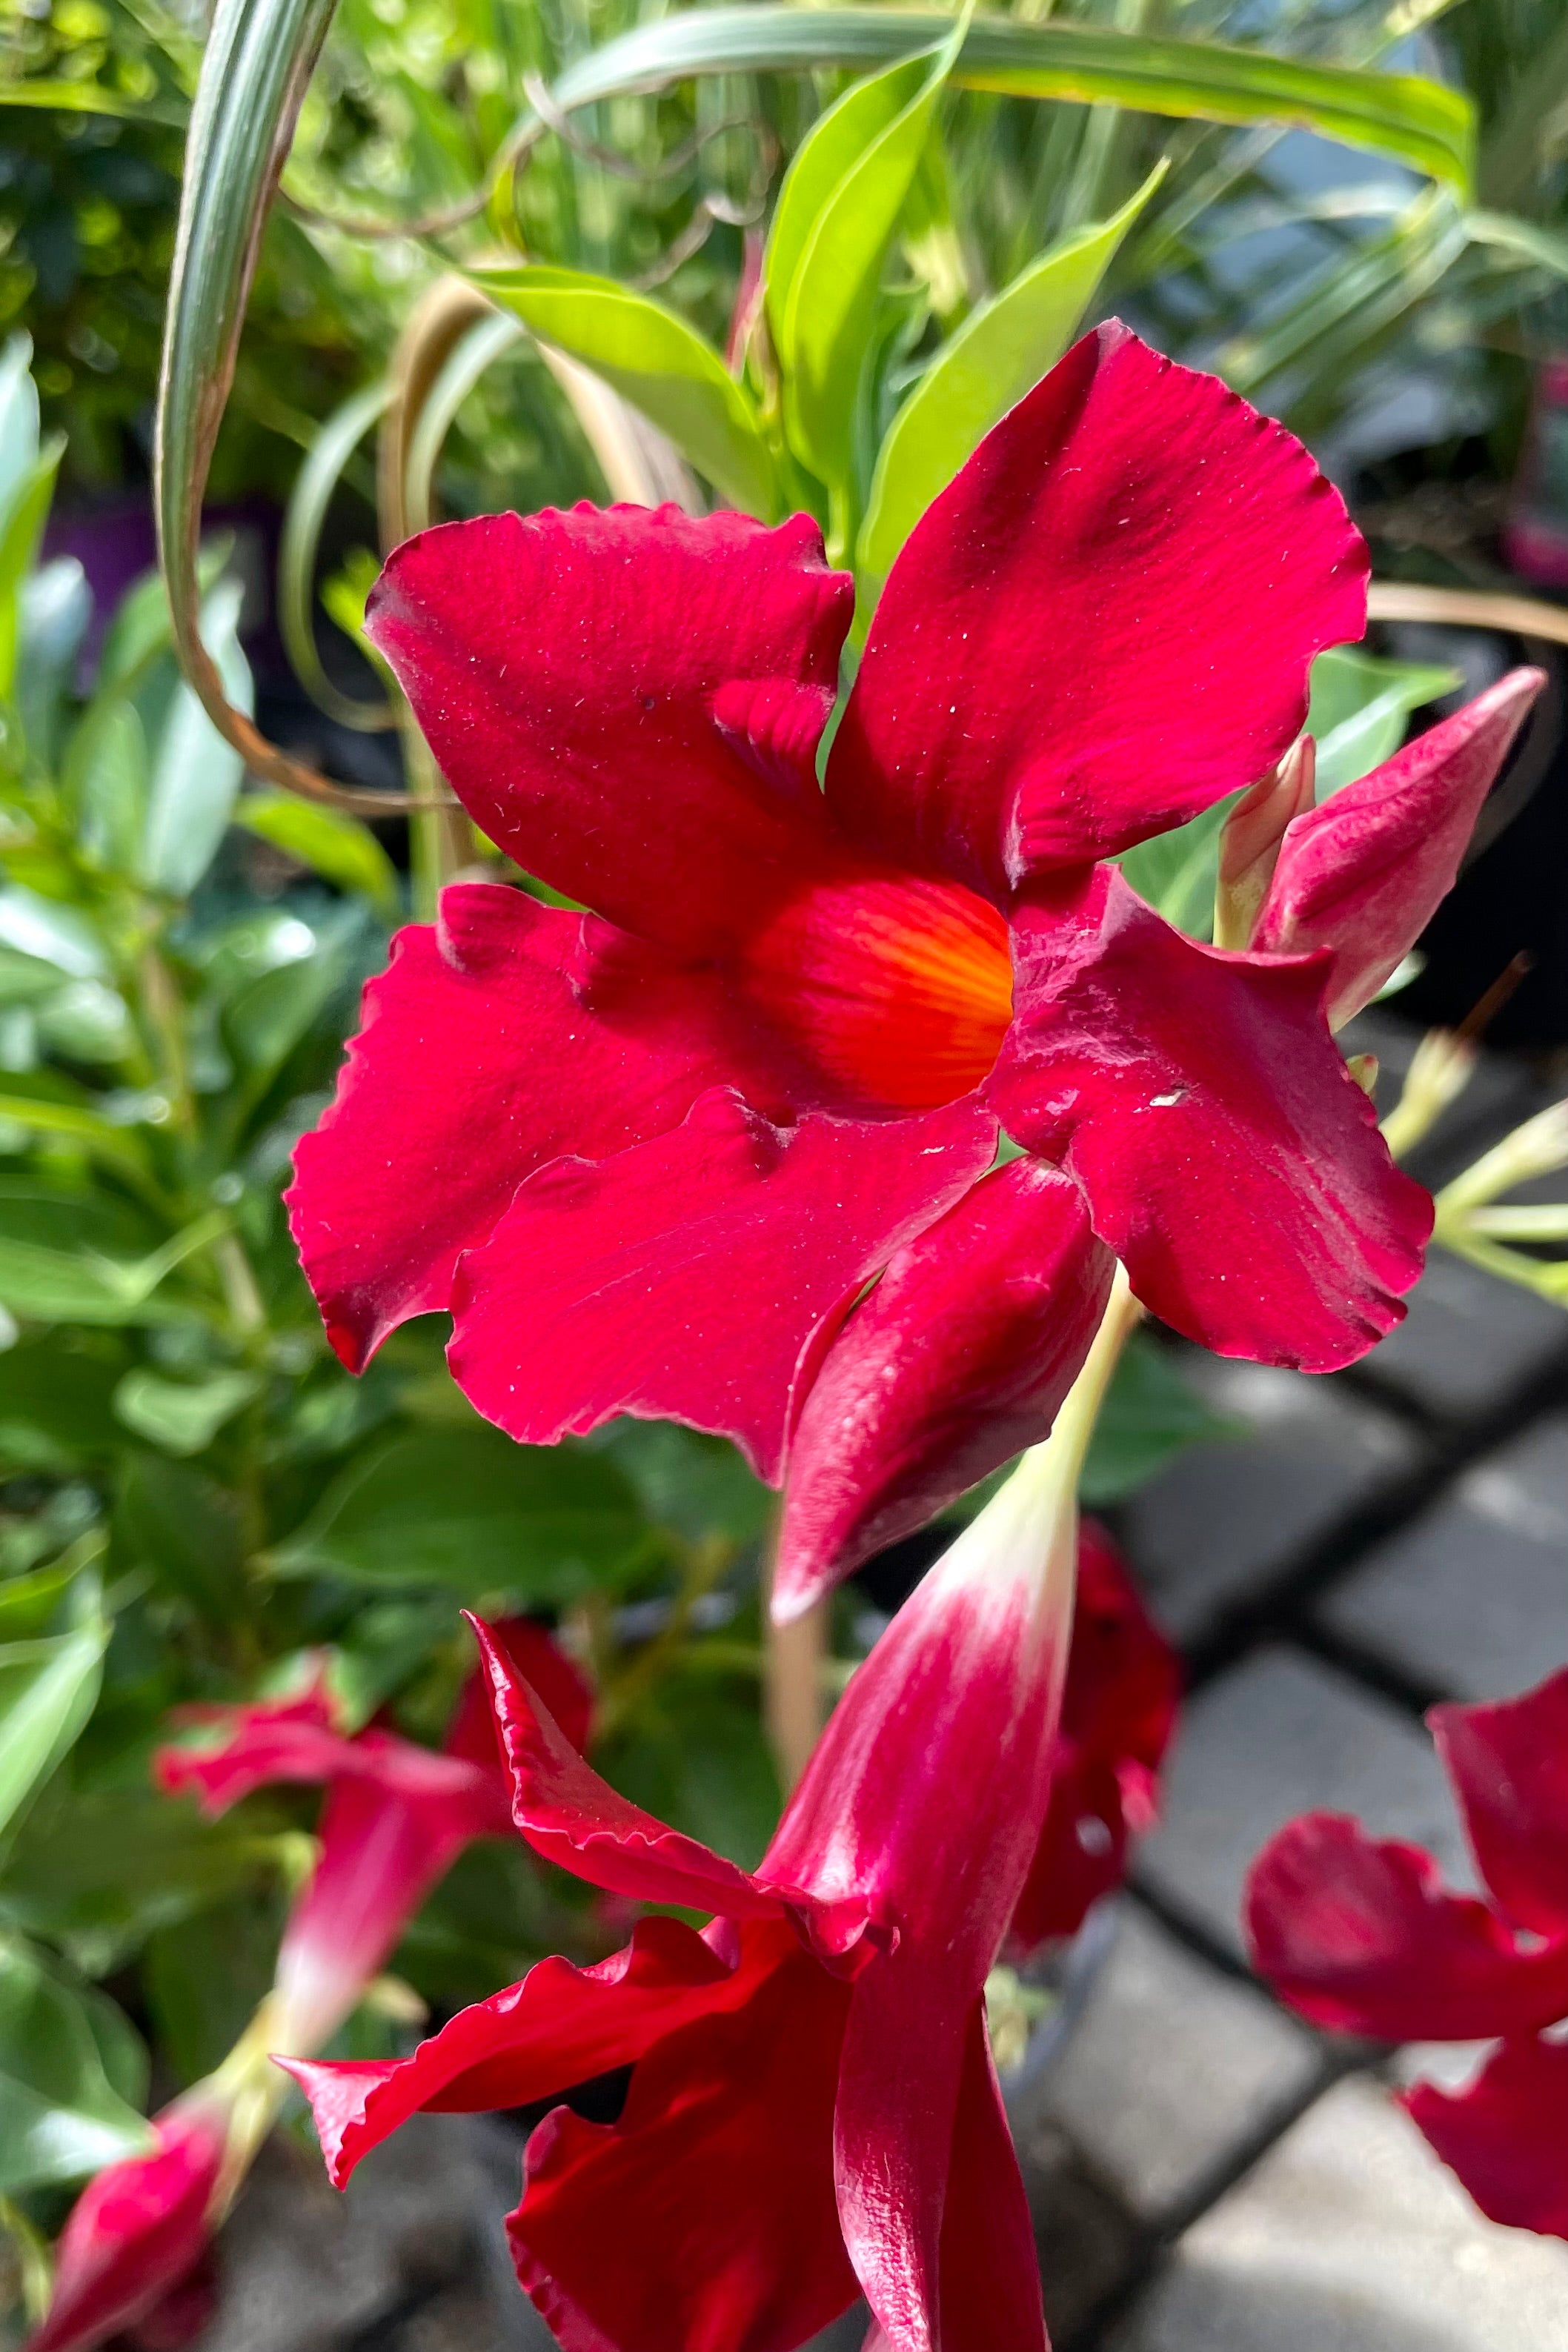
1102	625
955	1362
138	2229
561	2026
1364	874
545	1667
717	2183
1361	1936
573	1817
924	1798
276	1739
505	1035
1119	1710
1508	1765
989	2271
628	702
684	1276
1229	1158
1507	2135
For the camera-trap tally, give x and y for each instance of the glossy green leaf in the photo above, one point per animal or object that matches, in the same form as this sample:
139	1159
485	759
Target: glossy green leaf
335	845
695	1755
52	96
185	1529
41	927
47	1692
107	777
74	1258
467	1509
56	1406
55	608
21	529
654	360
698	1486
824	322
1361	710
19	418
1423	123
25	979
196	775
1001	351
1176	872
181	1416
1150	1416
60	2115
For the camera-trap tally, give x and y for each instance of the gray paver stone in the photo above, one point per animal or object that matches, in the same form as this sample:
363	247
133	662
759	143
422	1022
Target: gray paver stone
1171	2070
1280	1734
1473	1597
1470	1341
1351	2237
1224	1519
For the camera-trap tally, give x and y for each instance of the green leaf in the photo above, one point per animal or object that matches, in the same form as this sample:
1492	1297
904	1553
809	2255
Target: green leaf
656	362
264	1021
1001	351
1361	707
1177	871
186	1529
56	1410
75	1258
821	315
47	1692
1423	123
332	843
60	2115
181	1416
107	775
196	775
40	927
97	1873
467	1509
21	529
25	979
90	98
205	1976
696	1757
697	1485
19	418
57	606
1150	1416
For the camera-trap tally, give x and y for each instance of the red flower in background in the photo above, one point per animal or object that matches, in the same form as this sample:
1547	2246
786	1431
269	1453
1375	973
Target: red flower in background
1119	1710
1362	1937
396	1817
649	1157
137	2232
812	2109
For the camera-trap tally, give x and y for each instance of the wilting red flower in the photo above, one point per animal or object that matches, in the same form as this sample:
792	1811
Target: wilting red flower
1361	1936
649	1157
396	1817
812	2108
136	2232
1118	1710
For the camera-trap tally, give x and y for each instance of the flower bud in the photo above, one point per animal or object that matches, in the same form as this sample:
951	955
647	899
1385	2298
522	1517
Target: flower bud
1250	844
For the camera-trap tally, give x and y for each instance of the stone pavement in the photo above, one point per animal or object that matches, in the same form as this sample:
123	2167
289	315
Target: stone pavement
1206	2174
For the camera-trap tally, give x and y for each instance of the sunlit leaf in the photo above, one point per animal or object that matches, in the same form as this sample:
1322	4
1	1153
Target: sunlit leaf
333	845
60	2115
654	360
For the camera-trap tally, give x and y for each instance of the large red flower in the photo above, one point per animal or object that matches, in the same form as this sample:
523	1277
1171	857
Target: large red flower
396	1817
1361	1936
650	1158
812	2109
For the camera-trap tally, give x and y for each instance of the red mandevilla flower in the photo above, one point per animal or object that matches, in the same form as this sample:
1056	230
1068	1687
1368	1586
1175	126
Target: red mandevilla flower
1361	1936
650	1158
396	1817
812	2108
136	2232
1118	1710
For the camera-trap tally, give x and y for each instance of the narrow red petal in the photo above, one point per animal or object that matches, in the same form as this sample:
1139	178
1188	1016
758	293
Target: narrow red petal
561	2026
545	1667
1230	1159
1364	874
1361	1936
249	1746
573	1818
1102	626
717	2183
137	2229
1119	1710
628	703
989	2271
1508	1765
506	1034
682	1278
1507	2135
958	1360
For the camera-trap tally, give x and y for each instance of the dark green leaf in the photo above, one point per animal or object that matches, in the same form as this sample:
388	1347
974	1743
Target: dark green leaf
205	1976
1150	1416
56	1406
46	1693
60	2115
186	1529
467	1509
695	1485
